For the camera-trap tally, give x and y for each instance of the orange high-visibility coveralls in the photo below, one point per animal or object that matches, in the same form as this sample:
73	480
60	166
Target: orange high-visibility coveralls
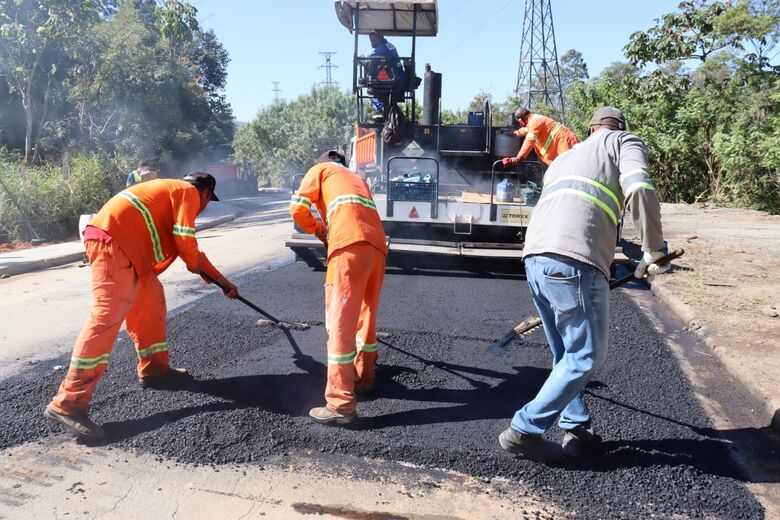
547	137
357	251
146	227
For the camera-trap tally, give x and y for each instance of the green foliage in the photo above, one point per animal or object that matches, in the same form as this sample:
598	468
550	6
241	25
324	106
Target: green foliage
46	200
36	43
287	138
712	132
108	77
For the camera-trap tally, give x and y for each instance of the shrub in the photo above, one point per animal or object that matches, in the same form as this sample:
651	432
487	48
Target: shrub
46	200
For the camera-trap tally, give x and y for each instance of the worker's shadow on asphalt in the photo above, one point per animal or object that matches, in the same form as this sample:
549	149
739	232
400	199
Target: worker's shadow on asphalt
294	394
713	451
709	452
275	393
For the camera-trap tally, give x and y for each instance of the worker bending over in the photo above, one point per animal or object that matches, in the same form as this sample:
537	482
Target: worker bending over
355	241
543	134
135	236
568	250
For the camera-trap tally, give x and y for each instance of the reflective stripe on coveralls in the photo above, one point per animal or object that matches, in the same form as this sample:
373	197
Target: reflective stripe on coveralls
634	180
550	138
184	231
341	359
135	201
589	189
153	349
136	176
365	347
86	363
297	200
350	199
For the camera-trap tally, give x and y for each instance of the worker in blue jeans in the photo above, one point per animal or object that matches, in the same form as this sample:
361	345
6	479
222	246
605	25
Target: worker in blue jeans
572	298
569	246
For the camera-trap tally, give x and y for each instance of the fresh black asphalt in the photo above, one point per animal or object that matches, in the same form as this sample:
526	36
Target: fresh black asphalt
441	399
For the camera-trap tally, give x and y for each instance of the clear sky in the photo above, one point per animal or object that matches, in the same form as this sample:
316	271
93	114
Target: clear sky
477	48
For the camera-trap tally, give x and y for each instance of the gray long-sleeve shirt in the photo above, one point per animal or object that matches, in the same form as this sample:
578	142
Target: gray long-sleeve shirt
585	190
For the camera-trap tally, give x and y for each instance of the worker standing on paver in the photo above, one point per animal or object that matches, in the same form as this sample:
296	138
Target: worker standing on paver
568	250
135	236
352	233
545	135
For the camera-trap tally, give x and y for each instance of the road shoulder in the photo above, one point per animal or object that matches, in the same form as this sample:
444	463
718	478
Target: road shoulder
725	291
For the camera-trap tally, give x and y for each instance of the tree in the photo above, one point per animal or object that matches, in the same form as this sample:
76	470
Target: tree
710	130
693	32
178	23
34	36
286	138
573	69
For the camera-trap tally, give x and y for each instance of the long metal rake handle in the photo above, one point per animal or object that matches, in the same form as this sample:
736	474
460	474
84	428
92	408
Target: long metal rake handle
241	298
531	323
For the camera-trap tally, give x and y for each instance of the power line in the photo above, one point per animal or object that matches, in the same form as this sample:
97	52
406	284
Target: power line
328	66
276	90
475	31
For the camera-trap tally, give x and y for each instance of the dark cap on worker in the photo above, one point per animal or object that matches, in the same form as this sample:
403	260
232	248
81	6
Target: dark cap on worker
202	180
609	116
333	155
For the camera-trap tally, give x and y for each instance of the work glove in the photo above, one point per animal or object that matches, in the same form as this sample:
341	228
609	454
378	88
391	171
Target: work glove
322	234
509	161
230	290
648	267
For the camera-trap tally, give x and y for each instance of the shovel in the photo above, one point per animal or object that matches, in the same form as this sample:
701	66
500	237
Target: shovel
271	319
501	346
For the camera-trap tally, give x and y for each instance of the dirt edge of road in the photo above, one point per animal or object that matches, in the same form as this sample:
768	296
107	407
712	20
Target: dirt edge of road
725	291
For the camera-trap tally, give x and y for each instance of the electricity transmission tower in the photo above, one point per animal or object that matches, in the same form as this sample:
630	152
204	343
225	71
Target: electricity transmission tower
276	90
538	75
328	66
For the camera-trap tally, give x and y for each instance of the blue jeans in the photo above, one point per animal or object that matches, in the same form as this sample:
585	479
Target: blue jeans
573	301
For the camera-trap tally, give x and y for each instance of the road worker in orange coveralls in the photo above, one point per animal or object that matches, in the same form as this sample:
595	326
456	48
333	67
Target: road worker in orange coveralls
357	250
543	134
135	236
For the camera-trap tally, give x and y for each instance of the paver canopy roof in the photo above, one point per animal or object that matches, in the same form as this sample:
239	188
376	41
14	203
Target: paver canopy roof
389	17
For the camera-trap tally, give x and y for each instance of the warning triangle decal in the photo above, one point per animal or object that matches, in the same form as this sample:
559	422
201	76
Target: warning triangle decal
413	213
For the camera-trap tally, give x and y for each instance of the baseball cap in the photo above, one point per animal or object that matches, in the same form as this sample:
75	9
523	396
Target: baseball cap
333	155
202	180
605	114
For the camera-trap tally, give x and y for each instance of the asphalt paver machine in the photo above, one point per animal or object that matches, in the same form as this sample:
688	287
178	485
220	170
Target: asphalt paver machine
440	189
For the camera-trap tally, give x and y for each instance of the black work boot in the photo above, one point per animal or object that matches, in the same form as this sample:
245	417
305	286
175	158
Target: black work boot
79	425
172	377
580	441
534	447
325	415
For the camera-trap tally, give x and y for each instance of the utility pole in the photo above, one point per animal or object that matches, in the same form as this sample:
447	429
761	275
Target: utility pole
538	75
276	90
328	66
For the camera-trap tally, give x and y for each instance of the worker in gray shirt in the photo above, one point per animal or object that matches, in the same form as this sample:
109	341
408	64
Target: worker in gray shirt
569	247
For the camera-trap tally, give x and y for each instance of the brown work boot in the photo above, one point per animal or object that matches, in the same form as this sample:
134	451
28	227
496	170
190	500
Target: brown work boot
579	442
79	425
534	447
172	377
325	415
